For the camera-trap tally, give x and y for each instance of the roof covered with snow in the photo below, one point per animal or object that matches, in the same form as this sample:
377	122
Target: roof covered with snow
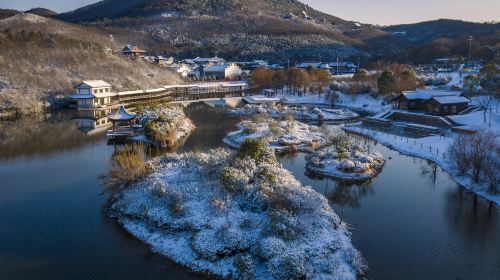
94	84
451	99
426	94
341	64
217	68
208	59
307	64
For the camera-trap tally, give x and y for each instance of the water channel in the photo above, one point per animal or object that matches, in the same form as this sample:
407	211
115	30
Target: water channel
410	222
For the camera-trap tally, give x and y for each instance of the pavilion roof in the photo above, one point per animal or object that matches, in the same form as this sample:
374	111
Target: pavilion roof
121	115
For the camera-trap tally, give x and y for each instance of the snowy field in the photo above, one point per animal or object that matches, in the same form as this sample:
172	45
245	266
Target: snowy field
475	121
303	113
281	136
237	217
365	102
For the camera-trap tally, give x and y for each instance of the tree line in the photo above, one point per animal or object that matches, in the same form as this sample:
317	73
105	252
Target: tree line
295	80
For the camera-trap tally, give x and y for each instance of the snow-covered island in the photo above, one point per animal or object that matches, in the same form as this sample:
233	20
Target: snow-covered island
281	135
303	113
164	126
352	163
237	215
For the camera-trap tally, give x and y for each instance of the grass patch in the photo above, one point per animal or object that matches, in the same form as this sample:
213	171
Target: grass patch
129	163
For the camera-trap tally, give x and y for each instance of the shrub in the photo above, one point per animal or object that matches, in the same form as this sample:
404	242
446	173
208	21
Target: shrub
290	119
220	204
288	267
342	156
129	164
284	224
244	266
261	117
340	140
257	150
233	179
149	128
274	128
250	128
176	204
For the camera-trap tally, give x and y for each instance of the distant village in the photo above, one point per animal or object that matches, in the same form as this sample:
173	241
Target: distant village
217	68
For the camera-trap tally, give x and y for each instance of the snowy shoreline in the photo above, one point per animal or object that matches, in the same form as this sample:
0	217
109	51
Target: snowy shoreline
224	214
407	149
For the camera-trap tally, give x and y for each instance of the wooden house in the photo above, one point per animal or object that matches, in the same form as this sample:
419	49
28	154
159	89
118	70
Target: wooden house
431	101
339	68
446	105
132	50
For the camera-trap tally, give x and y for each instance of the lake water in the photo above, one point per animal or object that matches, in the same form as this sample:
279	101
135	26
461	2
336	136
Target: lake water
410	222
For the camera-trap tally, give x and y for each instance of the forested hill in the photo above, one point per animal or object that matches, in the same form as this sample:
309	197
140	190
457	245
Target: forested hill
422	42
239	29
278	30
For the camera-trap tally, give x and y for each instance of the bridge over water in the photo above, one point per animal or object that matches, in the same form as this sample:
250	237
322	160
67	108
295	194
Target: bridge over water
173	93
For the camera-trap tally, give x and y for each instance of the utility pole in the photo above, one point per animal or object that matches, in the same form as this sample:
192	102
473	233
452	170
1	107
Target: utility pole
470	48
337	65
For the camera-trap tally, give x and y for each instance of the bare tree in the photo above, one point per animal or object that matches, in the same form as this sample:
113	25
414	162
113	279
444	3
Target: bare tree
474	152
459	153
492	170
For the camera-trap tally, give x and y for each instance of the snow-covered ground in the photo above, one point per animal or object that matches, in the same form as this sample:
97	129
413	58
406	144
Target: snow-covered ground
309	98
434	148
238	218
164	123
303	113
282	136
475	121
354	163
365	102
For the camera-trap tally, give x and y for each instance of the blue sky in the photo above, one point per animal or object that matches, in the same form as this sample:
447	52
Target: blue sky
367	11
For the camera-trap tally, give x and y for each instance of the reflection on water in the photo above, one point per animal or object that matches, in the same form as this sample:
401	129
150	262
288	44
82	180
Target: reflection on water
42	135
410	222
414	222
212	125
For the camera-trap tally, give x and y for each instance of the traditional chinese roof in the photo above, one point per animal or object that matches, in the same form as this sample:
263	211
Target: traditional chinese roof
121	115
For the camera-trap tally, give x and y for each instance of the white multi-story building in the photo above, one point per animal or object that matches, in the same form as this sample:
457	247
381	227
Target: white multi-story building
223	71
91	94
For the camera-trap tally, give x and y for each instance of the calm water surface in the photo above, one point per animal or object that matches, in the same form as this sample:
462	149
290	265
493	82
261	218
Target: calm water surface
411	222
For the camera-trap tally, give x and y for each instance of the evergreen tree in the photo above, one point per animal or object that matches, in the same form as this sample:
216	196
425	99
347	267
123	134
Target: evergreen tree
386	83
